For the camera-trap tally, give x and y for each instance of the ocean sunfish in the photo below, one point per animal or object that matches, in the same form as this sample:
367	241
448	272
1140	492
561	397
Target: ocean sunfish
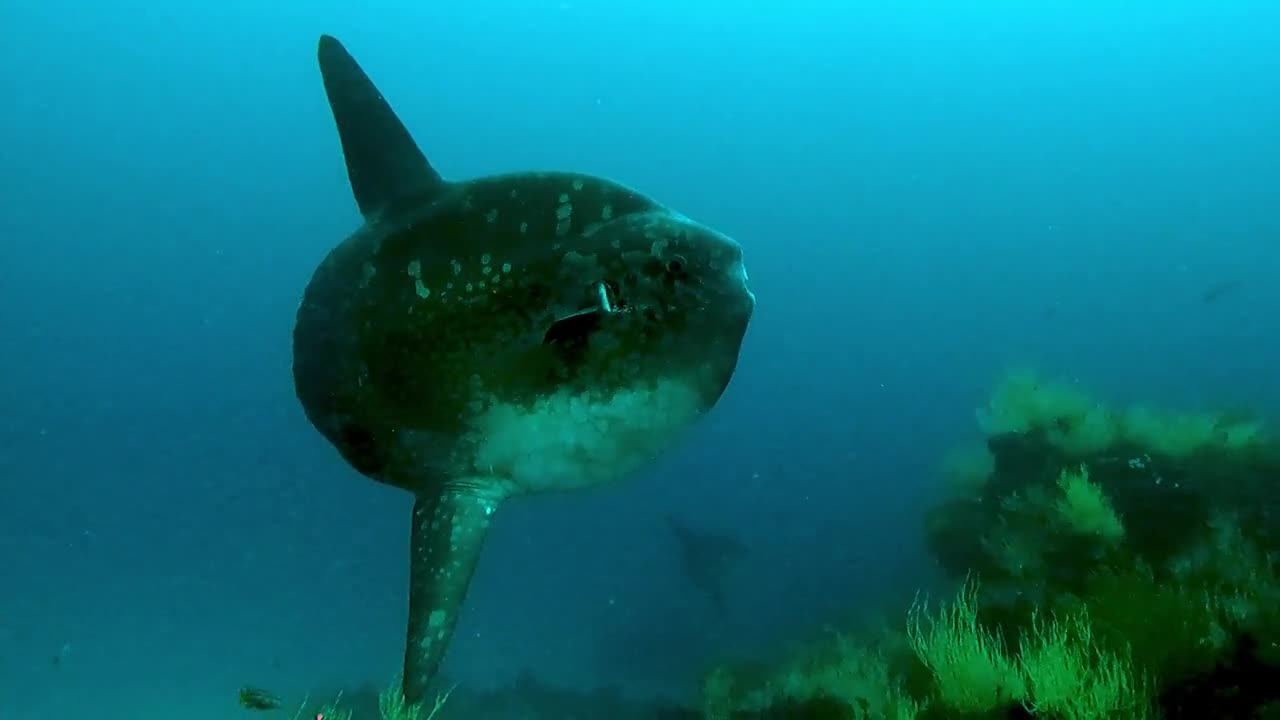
480	339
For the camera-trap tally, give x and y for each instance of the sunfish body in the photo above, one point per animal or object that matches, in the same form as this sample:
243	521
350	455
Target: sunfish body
475	340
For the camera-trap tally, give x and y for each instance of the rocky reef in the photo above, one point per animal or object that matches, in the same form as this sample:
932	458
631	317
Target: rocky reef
1110	563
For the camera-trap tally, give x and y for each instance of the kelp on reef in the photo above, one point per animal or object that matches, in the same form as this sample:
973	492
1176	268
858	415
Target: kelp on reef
1145	538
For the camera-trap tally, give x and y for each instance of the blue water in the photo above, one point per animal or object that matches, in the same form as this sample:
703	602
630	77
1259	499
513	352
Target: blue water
928	192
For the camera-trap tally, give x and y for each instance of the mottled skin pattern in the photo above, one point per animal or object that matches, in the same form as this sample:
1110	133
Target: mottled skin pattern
468	285
517	292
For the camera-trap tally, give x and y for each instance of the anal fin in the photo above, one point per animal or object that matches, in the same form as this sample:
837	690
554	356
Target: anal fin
446	540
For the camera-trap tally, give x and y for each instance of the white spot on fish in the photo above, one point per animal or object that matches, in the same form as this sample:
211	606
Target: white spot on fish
563	215
415	271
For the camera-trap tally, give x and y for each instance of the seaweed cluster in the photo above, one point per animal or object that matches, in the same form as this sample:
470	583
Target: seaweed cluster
387	704
1111	564
526	697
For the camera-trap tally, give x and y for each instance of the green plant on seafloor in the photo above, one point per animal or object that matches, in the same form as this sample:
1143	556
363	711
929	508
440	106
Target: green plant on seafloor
1023	403
851	675
1071	678
1186	617
391	706
1089	614
334	711
1059	671
331	710
1046	538
1085	508
1080	426
1170	631
1060	668
971	671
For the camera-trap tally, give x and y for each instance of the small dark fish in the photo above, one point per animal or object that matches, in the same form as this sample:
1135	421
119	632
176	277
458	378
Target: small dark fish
253	698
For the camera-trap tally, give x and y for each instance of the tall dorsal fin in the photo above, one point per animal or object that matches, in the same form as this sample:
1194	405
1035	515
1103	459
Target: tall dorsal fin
384	163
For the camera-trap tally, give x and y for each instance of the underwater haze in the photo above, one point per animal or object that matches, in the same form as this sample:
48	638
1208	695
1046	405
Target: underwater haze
927	193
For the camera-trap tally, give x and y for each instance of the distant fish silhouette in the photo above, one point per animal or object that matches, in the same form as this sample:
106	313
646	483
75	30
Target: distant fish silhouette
63	652
706	557
1219	290
252	698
